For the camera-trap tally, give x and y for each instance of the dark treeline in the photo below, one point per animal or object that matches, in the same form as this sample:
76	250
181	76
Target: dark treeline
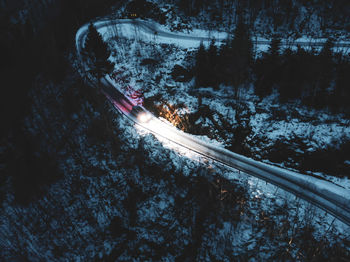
96	53
143	8
317	78
37	44
231	64
279	13
36	40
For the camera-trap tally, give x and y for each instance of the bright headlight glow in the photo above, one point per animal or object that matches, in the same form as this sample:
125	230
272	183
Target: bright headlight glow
143	117
163	132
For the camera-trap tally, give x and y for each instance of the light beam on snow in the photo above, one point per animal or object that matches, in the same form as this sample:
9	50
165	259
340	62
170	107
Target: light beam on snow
143	117
163	131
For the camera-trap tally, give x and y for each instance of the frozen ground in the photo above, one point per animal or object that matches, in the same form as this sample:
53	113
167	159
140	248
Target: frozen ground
127	195
267	120
140	48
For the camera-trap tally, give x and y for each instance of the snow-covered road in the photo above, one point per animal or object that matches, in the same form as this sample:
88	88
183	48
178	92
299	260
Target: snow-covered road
332	198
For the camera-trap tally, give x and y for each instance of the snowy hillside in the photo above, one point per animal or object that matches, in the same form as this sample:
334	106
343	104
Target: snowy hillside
81	182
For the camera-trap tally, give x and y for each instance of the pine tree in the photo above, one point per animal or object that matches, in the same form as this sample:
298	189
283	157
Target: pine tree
268	69
291	74
201	66
275	46
342	80
325	74
97	53
224	62
213	65
242	55
212	53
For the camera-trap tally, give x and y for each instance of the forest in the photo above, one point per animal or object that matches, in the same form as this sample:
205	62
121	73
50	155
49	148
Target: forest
315	78
79	182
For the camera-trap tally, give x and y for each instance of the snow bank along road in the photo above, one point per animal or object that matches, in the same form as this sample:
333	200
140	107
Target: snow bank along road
329	197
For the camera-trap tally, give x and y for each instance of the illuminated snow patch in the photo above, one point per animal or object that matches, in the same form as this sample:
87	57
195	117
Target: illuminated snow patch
164	134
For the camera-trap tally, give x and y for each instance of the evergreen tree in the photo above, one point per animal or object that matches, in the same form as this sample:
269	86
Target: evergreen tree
242	55
275	46
324	75
267	69
212	53
224	62
213	65
342	88
201	68
291	75
97	53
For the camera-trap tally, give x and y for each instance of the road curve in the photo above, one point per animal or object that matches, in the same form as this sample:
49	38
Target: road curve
329	197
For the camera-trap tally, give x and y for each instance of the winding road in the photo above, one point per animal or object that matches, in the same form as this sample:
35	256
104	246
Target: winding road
328	196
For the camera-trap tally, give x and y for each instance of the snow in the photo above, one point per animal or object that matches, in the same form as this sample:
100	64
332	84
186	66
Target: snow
157	208
320	135
157	34
150	31
75	214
